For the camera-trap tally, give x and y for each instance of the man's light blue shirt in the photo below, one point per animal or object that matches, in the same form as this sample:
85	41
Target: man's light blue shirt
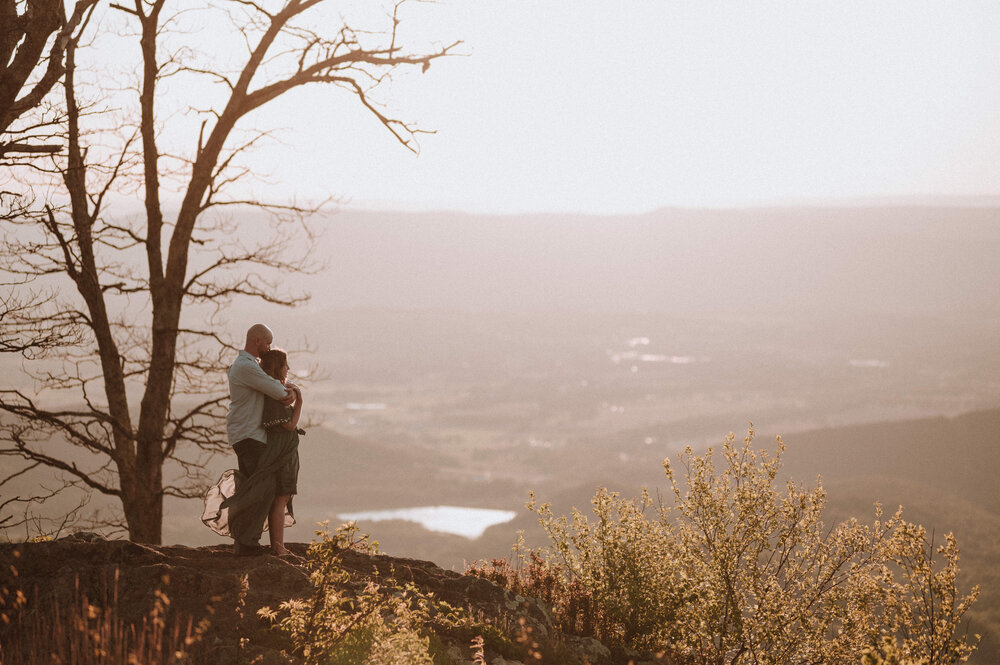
248	385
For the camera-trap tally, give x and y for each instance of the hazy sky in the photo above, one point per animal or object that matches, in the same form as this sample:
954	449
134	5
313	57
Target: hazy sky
627	106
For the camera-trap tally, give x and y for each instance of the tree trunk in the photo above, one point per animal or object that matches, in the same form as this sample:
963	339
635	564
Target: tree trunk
143	503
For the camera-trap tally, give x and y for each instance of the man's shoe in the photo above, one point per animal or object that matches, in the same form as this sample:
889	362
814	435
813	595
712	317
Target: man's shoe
239	549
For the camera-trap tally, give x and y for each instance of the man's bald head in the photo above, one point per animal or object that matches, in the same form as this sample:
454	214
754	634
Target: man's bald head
259	338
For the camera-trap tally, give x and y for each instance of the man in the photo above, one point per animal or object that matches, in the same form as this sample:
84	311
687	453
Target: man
248	386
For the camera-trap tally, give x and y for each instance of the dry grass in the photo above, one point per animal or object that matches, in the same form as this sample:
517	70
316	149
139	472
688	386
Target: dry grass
79	630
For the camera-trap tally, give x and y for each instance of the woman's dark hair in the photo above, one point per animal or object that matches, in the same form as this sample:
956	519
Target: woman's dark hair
272	361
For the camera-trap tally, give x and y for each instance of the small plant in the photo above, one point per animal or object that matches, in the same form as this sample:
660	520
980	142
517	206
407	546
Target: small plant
478	650
382	624
346	622
241	604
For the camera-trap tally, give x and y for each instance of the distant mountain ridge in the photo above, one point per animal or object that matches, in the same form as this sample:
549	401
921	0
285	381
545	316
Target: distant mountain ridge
812	260
960	455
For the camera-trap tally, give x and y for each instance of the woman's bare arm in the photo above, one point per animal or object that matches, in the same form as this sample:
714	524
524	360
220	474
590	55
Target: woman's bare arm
292	424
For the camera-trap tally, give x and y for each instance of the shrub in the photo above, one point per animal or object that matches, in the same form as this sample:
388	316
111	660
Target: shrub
738	569
573	607
382	624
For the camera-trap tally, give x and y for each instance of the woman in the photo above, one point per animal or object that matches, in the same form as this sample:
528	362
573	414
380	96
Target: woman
281	424
267	493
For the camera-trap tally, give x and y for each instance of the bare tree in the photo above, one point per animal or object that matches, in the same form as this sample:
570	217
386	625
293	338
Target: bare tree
145	290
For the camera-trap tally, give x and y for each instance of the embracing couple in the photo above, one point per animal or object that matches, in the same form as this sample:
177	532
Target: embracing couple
262	427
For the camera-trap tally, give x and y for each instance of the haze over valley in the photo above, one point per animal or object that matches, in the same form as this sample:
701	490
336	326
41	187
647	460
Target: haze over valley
462	361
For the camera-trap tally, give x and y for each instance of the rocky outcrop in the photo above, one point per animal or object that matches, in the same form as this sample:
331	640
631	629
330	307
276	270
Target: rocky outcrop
208	582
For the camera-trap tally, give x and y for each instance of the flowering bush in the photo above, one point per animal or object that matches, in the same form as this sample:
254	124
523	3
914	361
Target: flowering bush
737	569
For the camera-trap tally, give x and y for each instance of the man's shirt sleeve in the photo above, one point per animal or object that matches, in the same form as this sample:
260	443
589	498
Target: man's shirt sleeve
253	377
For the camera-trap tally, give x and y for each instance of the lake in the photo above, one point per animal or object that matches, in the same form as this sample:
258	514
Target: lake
467	522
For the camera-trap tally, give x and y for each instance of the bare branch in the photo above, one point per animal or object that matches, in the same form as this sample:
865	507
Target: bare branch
21	52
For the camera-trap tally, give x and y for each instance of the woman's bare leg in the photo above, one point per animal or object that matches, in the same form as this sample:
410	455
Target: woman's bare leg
276	524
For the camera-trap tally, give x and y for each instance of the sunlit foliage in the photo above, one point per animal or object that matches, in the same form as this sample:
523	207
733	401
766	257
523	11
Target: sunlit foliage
381	624
736	568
